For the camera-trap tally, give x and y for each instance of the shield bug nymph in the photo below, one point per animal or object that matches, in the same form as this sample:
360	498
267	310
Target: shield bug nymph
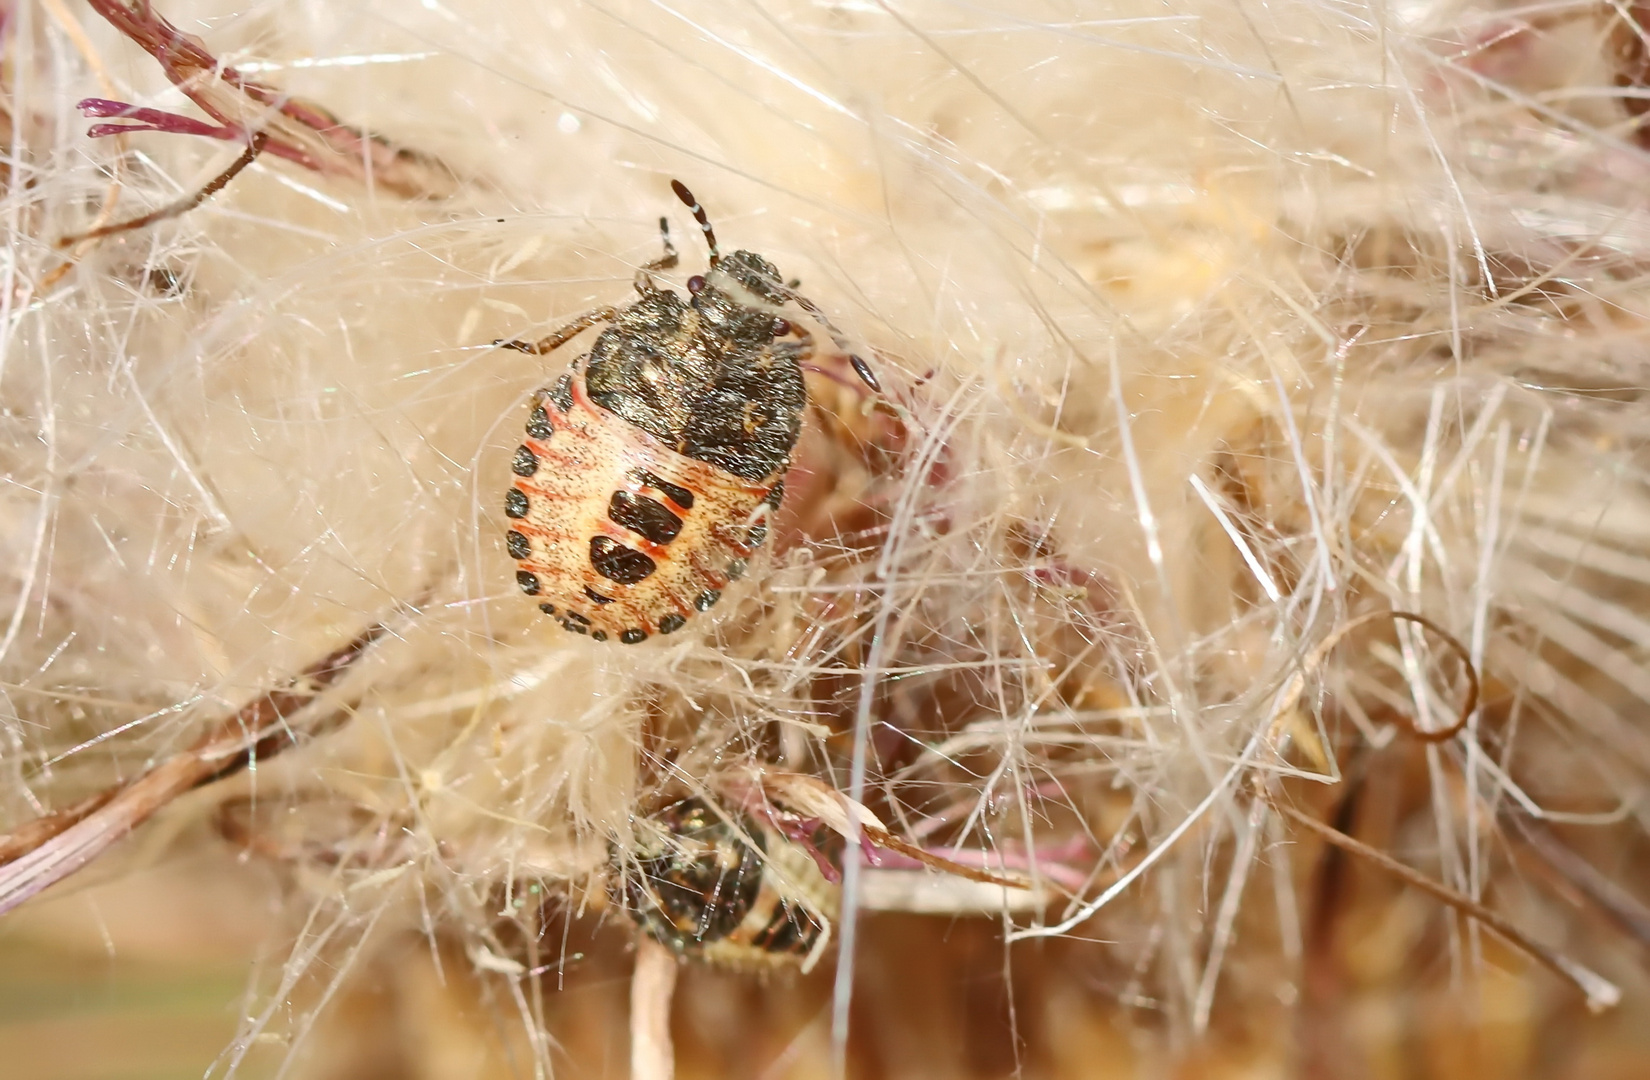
720	887
652	469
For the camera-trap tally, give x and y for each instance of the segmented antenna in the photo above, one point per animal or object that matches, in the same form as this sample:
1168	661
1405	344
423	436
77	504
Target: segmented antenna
861	368
698	215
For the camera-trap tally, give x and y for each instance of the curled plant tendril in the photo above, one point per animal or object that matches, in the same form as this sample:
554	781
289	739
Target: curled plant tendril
1601	994
1469	704
1315	659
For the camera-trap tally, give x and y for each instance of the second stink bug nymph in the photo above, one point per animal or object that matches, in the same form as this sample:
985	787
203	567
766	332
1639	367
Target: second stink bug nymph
652	469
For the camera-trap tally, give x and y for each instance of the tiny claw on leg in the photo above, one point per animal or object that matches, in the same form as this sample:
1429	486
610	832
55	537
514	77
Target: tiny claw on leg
560	337
866	375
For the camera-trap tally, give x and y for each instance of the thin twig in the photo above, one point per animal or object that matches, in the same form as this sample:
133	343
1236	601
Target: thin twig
652	986
1600	992
181	206
300	131
1580	880
49	849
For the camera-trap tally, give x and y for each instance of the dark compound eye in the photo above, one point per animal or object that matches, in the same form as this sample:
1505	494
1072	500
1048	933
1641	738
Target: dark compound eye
671	623
695	283
538	424
757	535
705	599
529	582
631	637
517	544
781	327
598	635
525	463
736	569
615	562
515	504
548	609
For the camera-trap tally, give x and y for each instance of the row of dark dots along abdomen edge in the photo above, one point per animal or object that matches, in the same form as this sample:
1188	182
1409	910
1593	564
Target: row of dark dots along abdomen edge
645	516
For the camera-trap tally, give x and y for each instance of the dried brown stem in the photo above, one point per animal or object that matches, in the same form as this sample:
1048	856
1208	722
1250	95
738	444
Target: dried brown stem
882	838
31	834
181	206
1600	992
50	848
300	131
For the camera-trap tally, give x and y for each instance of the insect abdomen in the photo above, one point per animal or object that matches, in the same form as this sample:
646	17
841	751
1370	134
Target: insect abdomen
615	534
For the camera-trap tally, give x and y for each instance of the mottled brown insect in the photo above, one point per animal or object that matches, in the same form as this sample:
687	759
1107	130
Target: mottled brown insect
652	469
719	887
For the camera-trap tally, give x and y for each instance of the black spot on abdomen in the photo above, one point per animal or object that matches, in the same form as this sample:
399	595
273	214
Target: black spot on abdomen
561	392
681	496
645	516
615	562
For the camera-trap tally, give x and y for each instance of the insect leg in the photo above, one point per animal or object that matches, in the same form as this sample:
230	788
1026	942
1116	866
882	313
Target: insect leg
668	259
644	279
563	335
182	206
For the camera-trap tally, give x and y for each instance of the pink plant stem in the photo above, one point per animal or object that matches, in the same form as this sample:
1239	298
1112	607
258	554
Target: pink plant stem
1067	877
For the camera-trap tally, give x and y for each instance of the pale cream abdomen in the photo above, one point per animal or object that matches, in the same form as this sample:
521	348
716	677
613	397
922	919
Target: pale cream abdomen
619	536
